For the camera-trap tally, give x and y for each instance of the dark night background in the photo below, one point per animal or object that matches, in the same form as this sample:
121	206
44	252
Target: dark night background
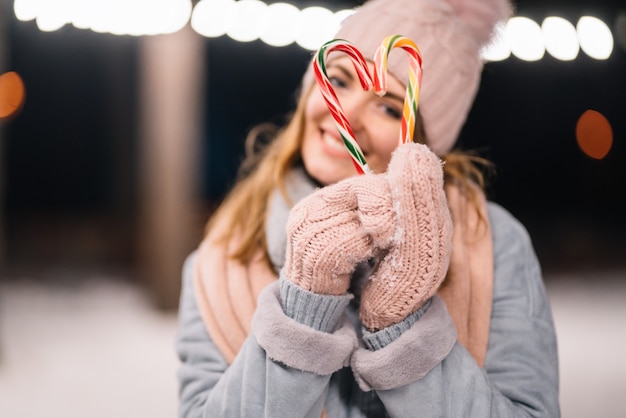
69	156
80	316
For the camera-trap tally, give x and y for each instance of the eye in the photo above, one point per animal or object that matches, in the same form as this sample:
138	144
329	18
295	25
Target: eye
392	110
338	82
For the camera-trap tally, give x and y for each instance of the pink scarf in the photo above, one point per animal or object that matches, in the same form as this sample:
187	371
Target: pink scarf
226	290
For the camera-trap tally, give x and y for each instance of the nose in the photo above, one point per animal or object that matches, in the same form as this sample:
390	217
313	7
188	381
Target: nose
354	109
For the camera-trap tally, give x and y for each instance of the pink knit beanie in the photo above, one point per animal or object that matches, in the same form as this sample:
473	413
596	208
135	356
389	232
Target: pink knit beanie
449	34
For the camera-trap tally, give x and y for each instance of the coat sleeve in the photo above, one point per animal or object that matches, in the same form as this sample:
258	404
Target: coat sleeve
520	377
256	384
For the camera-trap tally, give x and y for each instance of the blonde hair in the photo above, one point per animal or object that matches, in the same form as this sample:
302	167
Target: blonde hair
244	210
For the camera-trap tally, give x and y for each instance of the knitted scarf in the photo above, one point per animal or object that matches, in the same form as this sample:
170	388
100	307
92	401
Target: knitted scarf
227	290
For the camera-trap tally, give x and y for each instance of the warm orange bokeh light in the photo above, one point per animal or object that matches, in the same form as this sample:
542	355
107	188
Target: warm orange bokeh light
594	134
12	93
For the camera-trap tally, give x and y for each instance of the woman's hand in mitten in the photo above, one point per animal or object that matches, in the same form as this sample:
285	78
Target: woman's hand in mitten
419	251
330	231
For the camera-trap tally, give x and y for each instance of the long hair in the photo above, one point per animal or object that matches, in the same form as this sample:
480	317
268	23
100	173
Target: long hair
244	209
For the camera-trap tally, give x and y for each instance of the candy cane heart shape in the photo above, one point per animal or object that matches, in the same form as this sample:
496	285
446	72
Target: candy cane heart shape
409	111
339	117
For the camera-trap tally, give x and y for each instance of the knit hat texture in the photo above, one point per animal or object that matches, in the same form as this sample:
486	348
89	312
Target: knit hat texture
449	34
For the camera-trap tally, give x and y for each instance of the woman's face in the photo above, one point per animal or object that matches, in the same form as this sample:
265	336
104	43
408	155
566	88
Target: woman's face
375	121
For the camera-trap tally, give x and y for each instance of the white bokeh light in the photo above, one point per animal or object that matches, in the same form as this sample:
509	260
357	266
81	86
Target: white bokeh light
315	25
498	49
595	37
173	16
84	14
245	27
134	17
50	22
119	17
560	38
26	10
51	16
280	24
341	15
525	39
276	27
213	18
102	15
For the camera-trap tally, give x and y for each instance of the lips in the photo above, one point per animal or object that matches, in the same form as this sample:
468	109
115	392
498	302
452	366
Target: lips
333	145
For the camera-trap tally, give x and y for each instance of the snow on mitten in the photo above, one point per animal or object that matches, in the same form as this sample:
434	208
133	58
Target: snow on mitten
419	252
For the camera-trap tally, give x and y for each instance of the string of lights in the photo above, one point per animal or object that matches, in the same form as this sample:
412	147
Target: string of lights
282	24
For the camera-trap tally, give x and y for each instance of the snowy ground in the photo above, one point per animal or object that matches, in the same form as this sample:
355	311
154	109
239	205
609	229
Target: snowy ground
99	350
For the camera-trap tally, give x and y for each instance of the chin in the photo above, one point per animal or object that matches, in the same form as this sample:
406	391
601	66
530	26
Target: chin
326	174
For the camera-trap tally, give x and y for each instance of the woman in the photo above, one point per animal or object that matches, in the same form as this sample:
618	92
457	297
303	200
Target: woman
399	293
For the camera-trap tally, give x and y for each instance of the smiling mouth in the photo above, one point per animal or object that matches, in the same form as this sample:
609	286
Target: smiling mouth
334	145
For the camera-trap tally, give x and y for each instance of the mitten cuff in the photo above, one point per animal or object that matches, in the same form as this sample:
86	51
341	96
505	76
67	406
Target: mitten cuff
321	312
300	346
411	356
379	339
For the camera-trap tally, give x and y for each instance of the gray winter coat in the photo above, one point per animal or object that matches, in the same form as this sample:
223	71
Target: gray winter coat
309	355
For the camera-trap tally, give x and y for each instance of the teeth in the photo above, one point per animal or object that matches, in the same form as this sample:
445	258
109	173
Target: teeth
333	142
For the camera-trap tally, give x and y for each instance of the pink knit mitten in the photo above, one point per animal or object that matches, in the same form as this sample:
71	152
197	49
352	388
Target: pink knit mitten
330	231
419	252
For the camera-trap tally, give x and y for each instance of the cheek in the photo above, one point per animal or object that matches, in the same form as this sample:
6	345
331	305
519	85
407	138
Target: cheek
312	117
315	106
384	143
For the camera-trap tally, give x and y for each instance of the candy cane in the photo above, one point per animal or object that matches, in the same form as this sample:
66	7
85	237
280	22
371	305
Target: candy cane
339	117
409	112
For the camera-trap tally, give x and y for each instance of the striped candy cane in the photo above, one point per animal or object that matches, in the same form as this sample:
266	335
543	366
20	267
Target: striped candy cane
339	117
409	112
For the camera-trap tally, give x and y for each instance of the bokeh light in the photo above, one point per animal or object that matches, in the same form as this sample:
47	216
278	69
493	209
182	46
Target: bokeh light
594	134
50	18
213	18
315	25
245	27
595	37
525	38
25	10
498	49
281	23
342	15
119	17
12	94
561	38
276	25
